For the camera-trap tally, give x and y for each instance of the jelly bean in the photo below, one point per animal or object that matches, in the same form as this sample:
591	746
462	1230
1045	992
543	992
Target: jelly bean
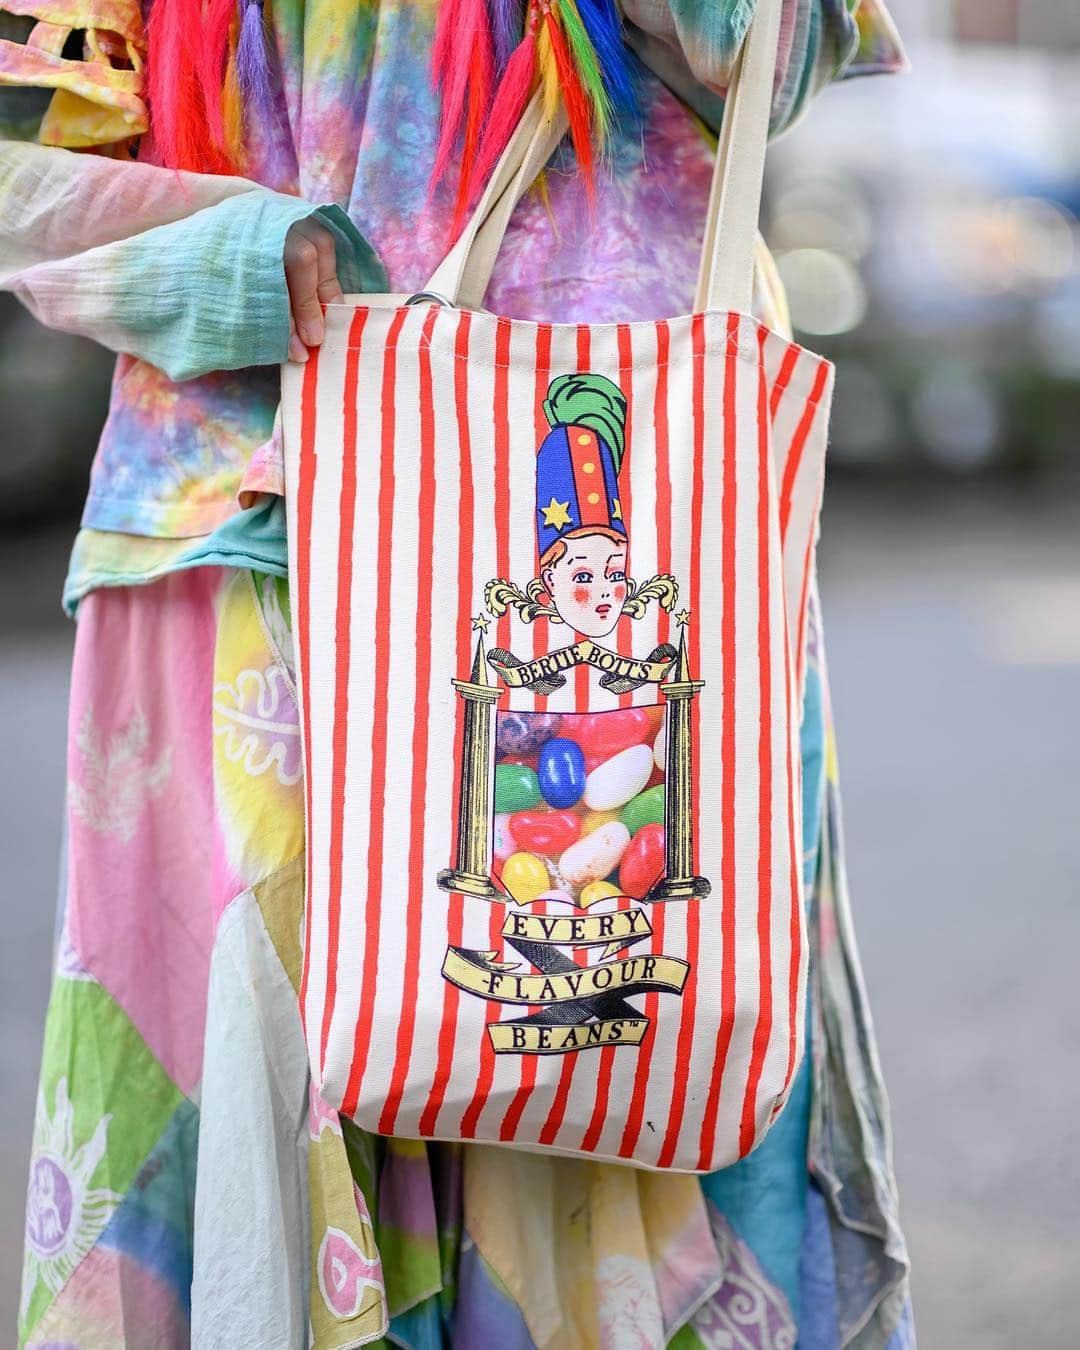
561	772
524	733
647	808
555	897
559	882
656	717
525	877
602	735
643	861
593	857
549	832
656	778
620	778
596	890
516	788
503	837
594	819
660	749
529	760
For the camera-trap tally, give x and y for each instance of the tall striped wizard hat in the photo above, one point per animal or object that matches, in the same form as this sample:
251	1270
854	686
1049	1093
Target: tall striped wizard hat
577	464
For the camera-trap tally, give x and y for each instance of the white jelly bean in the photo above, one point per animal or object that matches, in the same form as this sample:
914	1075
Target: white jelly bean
596	854
619	778
502	837
659	749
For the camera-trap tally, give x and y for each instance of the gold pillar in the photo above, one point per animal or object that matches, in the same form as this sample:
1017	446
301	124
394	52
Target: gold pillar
679	881
472	874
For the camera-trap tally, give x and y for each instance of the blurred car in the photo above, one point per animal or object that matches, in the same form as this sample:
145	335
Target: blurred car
938	261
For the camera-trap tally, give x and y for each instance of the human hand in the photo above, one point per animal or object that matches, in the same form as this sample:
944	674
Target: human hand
311	276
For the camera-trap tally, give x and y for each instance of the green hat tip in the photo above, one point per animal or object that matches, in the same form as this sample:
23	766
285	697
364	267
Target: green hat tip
593	401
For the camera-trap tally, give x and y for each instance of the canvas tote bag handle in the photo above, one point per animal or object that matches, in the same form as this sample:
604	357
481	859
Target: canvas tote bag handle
463	275
726	273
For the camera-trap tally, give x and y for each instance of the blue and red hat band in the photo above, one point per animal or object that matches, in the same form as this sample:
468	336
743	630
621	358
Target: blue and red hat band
577	488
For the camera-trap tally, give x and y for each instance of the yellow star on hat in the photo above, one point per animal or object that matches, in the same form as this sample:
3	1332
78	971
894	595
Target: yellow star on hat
556	514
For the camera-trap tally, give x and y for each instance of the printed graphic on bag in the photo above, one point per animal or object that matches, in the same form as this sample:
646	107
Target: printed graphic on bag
583	820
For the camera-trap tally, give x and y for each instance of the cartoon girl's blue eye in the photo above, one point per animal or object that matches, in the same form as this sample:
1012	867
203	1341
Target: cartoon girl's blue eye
583	578
616	576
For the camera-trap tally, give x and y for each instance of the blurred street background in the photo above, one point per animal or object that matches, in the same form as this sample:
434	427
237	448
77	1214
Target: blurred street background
926	228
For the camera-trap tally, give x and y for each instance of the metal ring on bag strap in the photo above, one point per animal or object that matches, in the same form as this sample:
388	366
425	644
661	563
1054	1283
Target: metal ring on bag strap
430	298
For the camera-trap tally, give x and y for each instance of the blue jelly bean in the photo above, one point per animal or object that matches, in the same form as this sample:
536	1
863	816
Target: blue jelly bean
561	771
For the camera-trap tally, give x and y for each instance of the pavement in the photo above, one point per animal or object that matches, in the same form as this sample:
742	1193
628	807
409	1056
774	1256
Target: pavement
953	630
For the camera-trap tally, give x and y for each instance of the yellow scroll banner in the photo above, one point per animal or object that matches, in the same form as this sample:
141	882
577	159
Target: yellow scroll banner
621	928
537	1038
583	653
632	975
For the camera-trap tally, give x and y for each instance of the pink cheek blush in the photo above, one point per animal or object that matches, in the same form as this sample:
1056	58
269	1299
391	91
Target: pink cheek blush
581	595
619	592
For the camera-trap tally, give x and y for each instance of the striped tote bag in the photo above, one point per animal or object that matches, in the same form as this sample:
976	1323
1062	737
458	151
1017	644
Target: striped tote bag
549	591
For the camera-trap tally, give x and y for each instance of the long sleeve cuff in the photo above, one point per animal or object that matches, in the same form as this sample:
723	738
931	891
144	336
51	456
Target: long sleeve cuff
182	270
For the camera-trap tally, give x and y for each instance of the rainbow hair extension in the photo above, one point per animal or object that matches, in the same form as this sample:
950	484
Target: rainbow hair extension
182	137
207	67
571	49
253	62
603	29
517	83
462	62
575	83
219	17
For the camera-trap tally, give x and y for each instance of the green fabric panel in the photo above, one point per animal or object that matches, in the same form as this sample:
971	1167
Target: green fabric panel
103	1105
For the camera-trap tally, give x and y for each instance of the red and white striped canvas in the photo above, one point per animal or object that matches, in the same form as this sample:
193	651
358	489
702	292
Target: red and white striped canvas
466	974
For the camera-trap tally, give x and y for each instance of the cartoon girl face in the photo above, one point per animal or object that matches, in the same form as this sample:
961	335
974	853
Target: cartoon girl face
587	584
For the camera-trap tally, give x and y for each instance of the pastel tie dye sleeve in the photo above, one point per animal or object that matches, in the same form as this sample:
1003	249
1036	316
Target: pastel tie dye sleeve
182	270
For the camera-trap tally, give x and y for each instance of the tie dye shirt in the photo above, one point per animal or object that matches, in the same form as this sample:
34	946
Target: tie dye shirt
181	274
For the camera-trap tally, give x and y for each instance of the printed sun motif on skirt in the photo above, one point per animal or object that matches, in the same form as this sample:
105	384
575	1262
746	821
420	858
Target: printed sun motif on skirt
65	1215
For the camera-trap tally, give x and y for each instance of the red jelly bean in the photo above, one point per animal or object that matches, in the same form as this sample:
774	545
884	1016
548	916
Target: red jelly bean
529	760
656	777
546	832
602	735
643	862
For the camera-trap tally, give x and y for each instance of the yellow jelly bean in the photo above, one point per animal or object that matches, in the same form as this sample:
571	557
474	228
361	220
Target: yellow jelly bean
596	890
595	819
525	876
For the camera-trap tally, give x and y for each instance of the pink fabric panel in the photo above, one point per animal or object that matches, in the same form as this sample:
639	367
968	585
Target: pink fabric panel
145	860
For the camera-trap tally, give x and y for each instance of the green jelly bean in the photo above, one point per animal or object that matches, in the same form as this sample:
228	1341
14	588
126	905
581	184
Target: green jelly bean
516	787
647	808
